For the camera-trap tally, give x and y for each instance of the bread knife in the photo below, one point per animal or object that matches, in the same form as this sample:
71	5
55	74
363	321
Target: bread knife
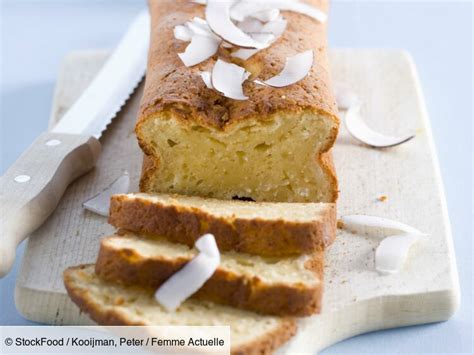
32	187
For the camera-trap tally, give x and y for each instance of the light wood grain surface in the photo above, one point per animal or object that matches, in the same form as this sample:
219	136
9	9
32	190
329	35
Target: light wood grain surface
357	299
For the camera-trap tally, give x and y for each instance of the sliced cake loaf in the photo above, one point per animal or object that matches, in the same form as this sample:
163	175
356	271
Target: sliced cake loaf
273	146
112	304
261	228
290	286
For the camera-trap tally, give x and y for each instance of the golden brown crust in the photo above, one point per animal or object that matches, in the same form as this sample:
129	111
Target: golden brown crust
263	345
272	340
185	224
127	266
149	169
174	88
326	161
87	305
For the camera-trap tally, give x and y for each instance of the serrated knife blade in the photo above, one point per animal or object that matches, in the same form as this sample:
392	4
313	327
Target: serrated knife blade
112	86
32	187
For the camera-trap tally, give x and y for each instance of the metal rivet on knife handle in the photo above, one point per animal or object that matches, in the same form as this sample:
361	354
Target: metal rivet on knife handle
22	178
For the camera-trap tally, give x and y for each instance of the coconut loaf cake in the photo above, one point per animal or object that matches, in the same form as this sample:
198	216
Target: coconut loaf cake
270	145
274	146
290	286
110	303
261	228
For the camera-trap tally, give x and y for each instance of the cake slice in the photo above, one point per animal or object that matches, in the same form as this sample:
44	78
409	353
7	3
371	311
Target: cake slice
112	304
290	286
274	146
261	228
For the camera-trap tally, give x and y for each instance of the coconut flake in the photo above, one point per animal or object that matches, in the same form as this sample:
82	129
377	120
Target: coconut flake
345	97
360	131
250	25
200	49
100	203
275	27
243	9
266	15
296	69
261	10
373	225
207	245
199	26
189	279
246	75
227	78
244	53
218	19
392	252
183	33
267	38
196	26
198	20
269	33
302	8
206	77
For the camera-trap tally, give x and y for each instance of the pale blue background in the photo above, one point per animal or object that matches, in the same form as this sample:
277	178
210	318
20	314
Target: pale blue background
36	35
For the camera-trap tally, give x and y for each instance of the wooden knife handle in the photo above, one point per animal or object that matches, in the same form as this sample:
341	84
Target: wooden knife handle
31	189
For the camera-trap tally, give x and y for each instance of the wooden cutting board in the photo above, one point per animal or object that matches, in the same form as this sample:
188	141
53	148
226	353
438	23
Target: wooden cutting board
357	299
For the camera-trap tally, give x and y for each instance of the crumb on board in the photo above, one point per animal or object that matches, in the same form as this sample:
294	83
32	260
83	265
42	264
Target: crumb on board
382	198
340	224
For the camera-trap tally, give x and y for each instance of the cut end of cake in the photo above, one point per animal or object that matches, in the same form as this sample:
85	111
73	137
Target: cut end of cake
273	159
